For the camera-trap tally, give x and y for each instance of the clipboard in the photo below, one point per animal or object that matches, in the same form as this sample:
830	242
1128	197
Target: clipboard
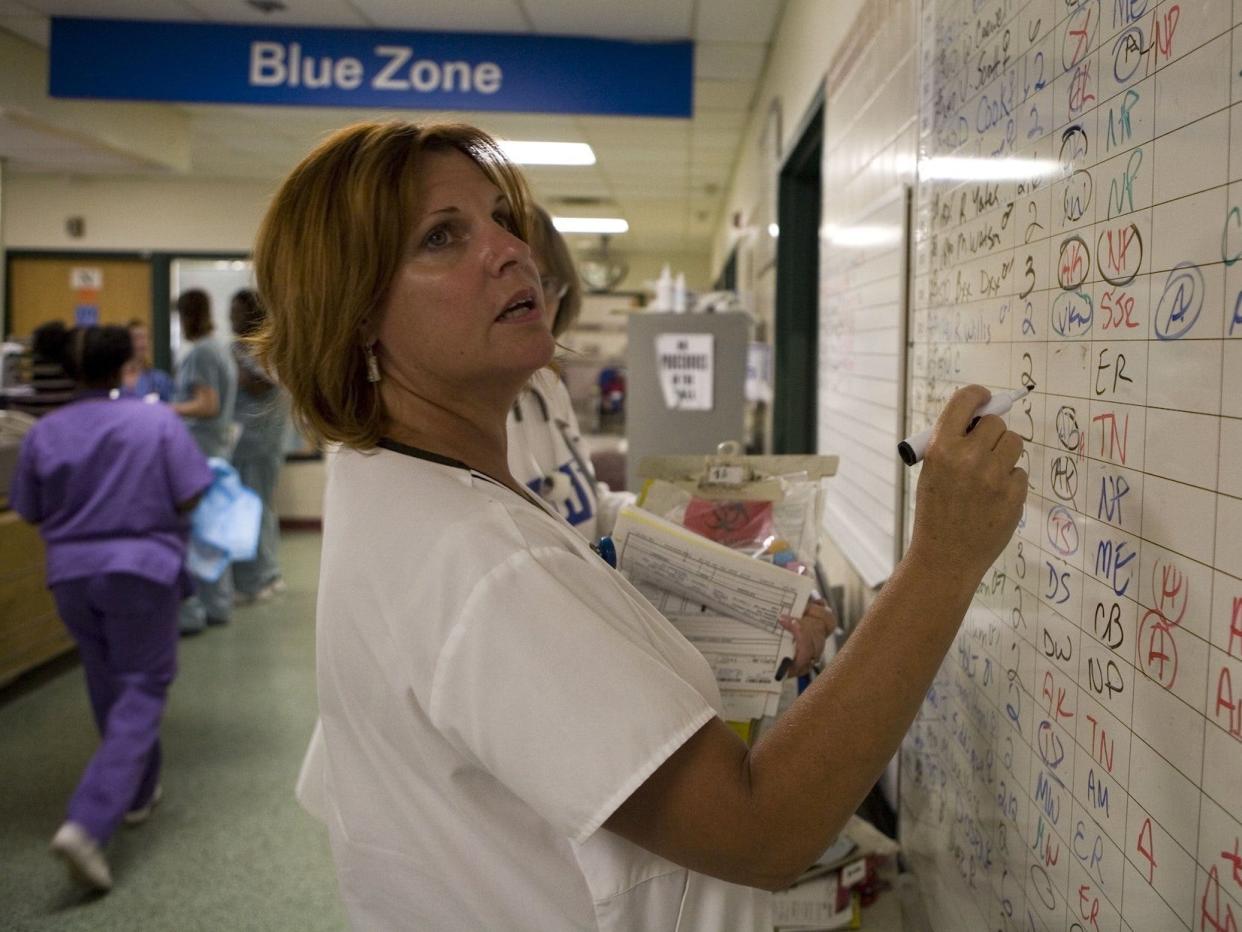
730	474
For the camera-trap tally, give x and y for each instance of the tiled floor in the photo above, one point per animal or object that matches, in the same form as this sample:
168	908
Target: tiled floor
228	848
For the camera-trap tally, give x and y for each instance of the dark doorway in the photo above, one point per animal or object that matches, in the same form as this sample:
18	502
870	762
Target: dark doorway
796	337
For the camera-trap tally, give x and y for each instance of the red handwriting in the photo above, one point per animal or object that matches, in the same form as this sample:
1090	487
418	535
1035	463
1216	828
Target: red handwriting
1162	35
1112	444
1226	703
1157	649
1103	749
1171	593
1120	253
1079	30
1236	860
1047	692
1210	916
1148	851
1235	626
1080	89
1090	913
1118	308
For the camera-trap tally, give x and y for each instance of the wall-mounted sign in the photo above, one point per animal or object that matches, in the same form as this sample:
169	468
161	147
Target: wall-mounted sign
86	278
314	67
686	363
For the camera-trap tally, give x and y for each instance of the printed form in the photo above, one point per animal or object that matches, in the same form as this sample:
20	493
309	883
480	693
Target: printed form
655	551
726	604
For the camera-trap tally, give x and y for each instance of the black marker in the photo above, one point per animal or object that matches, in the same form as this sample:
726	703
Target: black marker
913	448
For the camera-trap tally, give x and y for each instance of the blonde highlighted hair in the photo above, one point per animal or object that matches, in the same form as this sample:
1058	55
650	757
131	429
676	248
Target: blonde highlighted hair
327	252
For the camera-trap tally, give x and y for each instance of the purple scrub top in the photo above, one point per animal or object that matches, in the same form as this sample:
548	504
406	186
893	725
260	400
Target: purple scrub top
102	479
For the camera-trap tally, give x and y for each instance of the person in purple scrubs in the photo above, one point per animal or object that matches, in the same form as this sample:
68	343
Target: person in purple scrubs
109	482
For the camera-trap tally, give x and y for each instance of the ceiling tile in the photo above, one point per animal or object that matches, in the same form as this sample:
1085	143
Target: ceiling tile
736	20
34	29
296	13
733	96
633	19
729	61
116	9
445	15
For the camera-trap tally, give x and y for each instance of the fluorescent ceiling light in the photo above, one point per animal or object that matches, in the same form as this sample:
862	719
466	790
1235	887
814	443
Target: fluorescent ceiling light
590	224
525	152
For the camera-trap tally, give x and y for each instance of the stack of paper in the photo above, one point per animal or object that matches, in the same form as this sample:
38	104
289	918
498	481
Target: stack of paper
727	604
826	896
811	906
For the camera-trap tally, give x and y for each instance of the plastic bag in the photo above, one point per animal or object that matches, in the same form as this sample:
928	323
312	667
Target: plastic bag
777	531
225	525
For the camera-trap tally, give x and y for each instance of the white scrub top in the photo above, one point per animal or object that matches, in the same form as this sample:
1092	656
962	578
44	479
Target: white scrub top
490	692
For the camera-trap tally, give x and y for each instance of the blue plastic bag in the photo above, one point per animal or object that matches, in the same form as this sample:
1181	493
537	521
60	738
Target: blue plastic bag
225	525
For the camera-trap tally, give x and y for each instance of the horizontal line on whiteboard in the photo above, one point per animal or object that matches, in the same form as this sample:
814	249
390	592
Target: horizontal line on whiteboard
1083	225
850	506
1053	238
888	453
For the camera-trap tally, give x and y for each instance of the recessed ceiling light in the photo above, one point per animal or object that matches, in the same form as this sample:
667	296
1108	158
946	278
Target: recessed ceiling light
590	224
526	152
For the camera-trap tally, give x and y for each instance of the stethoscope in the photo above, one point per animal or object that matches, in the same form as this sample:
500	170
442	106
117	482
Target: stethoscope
555	486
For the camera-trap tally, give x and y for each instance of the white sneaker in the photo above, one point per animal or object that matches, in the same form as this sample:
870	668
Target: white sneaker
142	813
86	862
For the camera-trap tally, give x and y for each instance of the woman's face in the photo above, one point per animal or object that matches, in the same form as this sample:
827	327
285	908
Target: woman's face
465	306
138	336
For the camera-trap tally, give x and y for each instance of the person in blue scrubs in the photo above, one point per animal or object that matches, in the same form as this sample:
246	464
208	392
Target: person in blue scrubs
140	378
205	396
109	482
262	413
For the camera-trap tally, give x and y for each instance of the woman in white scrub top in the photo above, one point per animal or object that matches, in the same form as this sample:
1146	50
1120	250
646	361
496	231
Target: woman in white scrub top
512	738
546	450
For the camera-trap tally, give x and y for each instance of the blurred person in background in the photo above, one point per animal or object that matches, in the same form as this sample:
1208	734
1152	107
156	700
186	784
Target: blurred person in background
109	482
52	386
545	447
140	377
206	390
262	412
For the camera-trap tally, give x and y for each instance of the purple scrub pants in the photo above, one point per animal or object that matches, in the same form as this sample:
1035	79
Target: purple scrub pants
126	629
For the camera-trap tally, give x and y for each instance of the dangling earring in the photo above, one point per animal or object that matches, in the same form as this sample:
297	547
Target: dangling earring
373	373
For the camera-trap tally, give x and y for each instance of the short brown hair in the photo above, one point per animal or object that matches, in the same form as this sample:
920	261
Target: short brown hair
194	306
552	250
328	251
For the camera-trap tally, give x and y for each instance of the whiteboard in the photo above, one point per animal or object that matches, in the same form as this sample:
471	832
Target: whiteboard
1078	761
870	129
863	300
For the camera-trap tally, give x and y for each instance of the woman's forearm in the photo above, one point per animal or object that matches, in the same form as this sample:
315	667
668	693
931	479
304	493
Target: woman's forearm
203	403
836	740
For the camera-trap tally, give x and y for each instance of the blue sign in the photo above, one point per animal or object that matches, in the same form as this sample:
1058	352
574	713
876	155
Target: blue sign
312	67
